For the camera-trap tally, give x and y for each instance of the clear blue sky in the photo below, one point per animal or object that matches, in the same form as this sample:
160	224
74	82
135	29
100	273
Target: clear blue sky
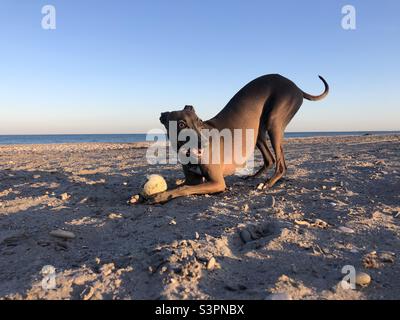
113	66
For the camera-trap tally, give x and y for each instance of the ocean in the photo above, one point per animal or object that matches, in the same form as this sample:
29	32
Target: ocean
129	138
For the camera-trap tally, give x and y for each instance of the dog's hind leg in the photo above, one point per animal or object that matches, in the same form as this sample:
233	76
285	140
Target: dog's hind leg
263	168
276	136
268	158
279	113
284	160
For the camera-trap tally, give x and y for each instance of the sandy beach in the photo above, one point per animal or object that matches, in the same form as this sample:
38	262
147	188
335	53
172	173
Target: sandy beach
339	205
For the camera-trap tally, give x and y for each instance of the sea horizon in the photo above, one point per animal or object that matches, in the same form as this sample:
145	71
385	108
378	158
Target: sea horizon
18	139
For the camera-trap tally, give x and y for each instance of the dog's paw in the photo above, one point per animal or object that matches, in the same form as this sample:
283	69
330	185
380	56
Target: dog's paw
263	186
158	198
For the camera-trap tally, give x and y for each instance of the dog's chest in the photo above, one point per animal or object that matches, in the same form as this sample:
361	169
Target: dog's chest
195	168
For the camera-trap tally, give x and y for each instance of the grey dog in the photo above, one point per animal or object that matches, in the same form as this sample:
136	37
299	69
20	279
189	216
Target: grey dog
266	105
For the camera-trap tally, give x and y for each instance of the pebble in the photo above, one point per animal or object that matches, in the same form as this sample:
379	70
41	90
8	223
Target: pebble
62	234
113	216
261	186
164	269
363	279
245	236
197	236
211	263
320	224
65	196
134	199
172	222
387	257
346	230
371	261
107	269
302	222
279	296
245	208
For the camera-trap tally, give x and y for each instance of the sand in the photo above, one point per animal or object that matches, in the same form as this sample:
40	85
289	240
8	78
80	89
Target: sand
338	206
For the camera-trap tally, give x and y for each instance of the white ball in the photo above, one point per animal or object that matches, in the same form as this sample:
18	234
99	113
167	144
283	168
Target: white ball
155	184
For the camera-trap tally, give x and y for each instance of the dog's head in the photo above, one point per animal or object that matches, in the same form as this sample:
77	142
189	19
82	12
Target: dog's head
182	120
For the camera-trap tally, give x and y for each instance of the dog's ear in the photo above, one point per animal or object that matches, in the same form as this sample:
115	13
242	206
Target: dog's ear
189	108
164	118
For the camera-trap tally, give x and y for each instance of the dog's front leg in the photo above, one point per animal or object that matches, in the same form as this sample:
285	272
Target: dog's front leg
186	190
215	183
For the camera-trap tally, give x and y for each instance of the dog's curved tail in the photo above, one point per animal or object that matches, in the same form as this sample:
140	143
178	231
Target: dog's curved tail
321	96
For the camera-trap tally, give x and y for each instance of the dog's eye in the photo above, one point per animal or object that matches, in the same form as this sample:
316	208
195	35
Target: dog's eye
181	124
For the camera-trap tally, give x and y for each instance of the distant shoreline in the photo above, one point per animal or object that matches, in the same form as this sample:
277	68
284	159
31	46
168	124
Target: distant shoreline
141	137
